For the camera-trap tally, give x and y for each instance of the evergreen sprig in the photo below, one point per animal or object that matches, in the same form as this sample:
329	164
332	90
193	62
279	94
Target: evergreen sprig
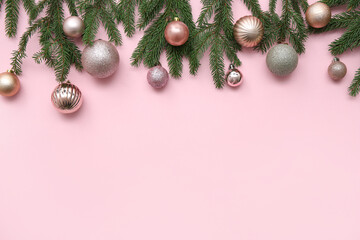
57	51
126	14
351	4
12	8
289	26
217	36
350	21
154	17
95	12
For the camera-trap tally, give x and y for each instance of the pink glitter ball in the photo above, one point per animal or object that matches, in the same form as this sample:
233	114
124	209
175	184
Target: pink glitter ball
158	77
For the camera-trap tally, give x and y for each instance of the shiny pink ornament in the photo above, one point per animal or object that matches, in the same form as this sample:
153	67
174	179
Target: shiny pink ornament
176	33
234	77
158	77
67	98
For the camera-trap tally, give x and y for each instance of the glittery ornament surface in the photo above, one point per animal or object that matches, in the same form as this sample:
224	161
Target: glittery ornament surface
282	59
248	31
67	98
74	27
337	70
9	84
101	60
158	77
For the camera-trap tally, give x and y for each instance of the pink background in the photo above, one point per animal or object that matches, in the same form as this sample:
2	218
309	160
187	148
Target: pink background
274	159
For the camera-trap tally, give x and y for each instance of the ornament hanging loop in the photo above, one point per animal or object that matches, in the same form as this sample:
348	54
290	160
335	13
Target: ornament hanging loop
231	66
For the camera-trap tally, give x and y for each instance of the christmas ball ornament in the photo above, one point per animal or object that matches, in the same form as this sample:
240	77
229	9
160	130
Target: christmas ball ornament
9	84
234	77
158	77
73	27
282	59
176	33
67	98
318	15
101	60
248	31
337	70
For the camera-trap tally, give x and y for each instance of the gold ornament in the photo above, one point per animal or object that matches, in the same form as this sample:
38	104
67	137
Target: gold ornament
248	31
67	98
9	84
318	15
74	27
337	70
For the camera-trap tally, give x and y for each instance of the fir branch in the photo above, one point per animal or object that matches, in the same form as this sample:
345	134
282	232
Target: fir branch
350	40
270	23
353	4
272	6
154	16
335	3
354	88
20	54
127	15
71	4
218	37
217	63
289	26
12	8
148	11
95	12
57	51
255	7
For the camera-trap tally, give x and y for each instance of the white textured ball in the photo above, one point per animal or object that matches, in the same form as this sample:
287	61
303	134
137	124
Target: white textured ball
282	59
101	60
74	27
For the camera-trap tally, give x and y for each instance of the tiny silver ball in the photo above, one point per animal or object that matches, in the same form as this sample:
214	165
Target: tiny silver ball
74	27
282	59
234	77
101	60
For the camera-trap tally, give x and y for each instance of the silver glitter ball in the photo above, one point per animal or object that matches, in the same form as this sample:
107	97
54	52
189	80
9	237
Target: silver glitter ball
158	77
282	59
337	70
101	60
74	27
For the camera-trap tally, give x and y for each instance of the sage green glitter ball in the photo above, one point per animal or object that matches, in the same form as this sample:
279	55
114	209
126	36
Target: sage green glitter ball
282	60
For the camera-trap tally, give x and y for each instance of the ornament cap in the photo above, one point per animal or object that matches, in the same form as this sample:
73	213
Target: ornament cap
336	59
176	19
231	66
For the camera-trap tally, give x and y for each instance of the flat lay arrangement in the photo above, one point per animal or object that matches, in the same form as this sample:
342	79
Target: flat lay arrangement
179	119
169	26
